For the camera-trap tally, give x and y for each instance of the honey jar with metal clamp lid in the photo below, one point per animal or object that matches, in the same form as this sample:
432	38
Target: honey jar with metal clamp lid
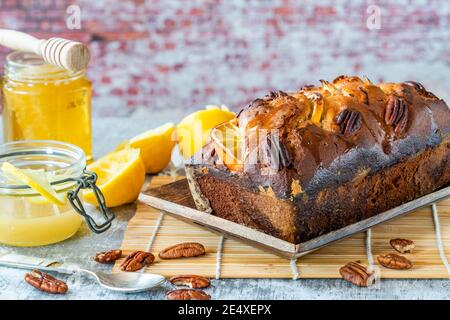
27	218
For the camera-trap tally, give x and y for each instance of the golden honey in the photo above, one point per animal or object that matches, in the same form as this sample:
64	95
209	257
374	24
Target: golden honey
41	101
25	222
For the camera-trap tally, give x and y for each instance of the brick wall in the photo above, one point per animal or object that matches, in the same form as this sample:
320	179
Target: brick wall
183	54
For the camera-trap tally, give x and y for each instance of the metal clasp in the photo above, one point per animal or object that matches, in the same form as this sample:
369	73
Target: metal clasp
87	181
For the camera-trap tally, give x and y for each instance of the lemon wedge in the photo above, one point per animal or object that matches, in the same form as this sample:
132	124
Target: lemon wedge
193	131
121	175
156	147
35	180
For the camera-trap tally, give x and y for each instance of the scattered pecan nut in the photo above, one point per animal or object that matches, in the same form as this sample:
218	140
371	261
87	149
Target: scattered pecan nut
402	245
349	121
187	294
46	282
193	281
137	260
394	261
183	250
357	274
108	256
396	113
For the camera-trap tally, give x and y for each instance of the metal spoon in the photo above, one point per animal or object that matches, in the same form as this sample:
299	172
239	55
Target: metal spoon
125	282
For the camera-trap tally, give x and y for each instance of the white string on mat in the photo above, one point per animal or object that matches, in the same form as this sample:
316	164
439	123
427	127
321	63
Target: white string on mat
157	226
155	231
440	245
294	269
152	238
219	256
369	248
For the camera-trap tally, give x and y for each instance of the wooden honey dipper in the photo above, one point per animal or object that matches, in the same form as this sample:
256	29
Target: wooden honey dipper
67	54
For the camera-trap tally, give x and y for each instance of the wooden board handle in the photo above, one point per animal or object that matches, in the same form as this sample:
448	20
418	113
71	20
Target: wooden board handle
67	54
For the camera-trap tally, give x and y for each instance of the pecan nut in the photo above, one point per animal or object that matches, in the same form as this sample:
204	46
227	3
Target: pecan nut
394	261
402	245
275	94
46	282
137	260
183	250
187	294
396	113
108	256
349	121
366	95
416	85
274	152
420	89
307	87
357	274
193	281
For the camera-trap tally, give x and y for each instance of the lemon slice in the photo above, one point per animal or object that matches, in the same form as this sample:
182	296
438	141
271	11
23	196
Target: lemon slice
35	180
193	131
44	175
156	147
121	175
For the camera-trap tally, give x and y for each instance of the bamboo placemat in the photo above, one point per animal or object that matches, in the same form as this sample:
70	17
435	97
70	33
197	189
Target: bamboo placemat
153	230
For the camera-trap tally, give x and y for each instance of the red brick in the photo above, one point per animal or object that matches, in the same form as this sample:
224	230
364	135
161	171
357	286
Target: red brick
151	54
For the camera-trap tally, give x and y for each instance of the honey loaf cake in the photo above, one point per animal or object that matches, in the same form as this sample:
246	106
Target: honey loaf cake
302	164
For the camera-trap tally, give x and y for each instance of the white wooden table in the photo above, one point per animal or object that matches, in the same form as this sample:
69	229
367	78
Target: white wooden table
107	133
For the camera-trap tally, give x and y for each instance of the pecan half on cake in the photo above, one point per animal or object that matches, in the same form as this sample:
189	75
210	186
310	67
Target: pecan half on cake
300	165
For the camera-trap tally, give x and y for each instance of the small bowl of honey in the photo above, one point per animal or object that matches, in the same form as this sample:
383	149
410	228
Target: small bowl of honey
32	217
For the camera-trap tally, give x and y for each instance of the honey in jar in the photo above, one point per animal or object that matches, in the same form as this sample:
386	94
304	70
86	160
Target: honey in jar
30	216
42	101
26	217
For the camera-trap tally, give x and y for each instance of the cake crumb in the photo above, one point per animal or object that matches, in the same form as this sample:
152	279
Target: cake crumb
205	170
267	192
296	188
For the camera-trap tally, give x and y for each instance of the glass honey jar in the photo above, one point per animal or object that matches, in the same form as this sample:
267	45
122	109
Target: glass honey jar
29	219
42	101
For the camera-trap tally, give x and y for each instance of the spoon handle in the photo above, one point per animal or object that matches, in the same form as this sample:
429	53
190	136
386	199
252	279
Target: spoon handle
13	260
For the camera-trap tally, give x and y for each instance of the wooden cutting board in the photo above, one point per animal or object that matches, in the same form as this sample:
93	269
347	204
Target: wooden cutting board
153	230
